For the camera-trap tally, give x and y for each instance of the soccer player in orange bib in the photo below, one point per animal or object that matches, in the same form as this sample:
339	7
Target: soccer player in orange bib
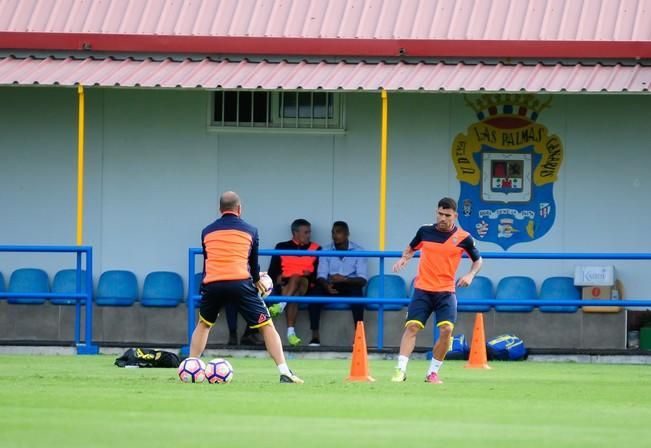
232	276
441	246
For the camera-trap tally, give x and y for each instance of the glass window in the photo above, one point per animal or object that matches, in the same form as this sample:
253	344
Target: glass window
279	110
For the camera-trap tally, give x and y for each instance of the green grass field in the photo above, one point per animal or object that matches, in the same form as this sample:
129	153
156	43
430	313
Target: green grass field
85	401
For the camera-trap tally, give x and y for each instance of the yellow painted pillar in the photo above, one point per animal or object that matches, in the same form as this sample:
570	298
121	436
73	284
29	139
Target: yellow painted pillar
383	172
80	167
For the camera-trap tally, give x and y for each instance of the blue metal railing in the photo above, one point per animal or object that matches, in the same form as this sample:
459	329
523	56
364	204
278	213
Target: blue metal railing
86	252
382	255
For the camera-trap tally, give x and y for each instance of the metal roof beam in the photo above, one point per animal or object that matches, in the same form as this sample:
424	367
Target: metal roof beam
283	46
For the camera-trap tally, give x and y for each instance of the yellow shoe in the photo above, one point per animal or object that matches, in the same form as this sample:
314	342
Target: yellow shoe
398	376
275	310
293	340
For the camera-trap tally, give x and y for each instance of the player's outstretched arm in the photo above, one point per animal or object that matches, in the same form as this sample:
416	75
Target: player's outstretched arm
407	254
467	279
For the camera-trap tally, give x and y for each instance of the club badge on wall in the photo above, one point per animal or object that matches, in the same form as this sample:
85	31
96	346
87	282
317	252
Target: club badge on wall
507	164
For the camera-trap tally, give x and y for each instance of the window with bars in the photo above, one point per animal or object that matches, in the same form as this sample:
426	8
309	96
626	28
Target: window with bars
277	110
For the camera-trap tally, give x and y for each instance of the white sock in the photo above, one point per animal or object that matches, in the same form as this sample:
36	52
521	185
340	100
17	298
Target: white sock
434	365
290	331
284	369
402	362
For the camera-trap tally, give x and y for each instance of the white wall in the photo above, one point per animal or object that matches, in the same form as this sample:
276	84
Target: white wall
37	167
154	172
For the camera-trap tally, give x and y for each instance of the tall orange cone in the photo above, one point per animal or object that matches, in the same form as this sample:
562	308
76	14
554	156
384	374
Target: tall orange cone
359	363
477	359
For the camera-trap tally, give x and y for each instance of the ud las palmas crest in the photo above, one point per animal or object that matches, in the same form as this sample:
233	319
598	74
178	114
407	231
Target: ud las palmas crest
507	164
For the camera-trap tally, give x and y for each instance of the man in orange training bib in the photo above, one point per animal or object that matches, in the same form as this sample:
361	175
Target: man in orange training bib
232	276
441	245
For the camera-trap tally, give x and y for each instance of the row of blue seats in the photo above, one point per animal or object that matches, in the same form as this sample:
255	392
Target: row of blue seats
160	289
482	288
521	288
165	289
114	288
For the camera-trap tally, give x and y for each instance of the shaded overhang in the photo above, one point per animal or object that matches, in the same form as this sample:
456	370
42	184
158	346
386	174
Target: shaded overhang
352	74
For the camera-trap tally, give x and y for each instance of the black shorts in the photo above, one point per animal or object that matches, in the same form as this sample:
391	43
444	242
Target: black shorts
241	293
424	303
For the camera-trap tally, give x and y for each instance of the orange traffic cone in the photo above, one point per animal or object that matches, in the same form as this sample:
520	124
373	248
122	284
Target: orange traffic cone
359	363
477	359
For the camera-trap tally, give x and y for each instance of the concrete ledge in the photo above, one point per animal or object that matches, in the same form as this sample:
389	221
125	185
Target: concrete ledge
140	326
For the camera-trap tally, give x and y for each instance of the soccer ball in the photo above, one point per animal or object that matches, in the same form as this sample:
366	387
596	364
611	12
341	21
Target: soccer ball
267	283
219	371
192	370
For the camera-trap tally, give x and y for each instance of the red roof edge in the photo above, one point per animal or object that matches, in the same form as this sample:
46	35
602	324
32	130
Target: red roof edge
282	46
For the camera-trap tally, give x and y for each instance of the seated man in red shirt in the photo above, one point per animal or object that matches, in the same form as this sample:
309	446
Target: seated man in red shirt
294	274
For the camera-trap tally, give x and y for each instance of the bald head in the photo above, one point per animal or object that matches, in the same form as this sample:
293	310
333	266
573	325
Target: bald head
229	201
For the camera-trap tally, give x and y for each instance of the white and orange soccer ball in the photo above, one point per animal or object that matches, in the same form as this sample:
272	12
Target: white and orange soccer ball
219	371
268	284
192	370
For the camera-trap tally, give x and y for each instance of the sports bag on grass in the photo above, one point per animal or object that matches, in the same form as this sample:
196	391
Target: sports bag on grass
459	348
507	347
144	357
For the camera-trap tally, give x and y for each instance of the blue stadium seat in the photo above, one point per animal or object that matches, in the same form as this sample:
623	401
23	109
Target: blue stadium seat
28	280
480	288
65	282
559	288
117	288
394	286
516	287
2	283
162	289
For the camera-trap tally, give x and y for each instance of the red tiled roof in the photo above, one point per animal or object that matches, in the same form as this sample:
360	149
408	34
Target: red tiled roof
601	29
547	20
542	45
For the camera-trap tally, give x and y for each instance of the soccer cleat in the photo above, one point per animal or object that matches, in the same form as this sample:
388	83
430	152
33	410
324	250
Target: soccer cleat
275	310
291	378
293	340
398	376
315	342
433	378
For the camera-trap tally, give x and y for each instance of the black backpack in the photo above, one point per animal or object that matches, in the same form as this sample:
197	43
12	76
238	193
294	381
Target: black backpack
144	357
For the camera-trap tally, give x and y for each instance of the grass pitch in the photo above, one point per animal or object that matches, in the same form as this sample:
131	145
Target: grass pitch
85	401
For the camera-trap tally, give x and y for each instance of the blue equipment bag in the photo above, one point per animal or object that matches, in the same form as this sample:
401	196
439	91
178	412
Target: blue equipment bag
507	347
459	348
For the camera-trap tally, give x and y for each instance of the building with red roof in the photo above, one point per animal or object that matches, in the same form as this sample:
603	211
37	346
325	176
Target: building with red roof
533	114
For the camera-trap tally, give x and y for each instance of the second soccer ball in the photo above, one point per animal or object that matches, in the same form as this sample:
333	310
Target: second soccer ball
219	371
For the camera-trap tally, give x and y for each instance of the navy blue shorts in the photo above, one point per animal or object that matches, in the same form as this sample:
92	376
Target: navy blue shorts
424	303
241	293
